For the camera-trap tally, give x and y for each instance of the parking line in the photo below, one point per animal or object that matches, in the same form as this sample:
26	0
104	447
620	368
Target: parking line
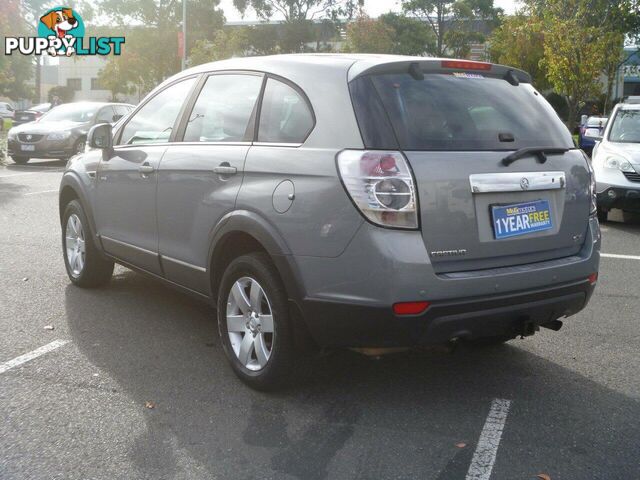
31	355
43	191
485	455
616	255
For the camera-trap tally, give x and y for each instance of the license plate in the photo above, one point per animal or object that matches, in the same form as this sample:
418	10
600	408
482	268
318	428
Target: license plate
521	218
28	148
24	117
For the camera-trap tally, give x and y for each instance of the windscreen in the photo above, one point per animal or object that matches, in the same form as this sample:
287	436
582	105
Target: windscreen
626	127
71	112
466	112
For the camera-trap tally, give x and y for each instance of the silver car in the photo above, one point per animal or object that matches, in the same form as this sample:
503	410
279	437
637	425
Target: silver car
351	200
62	131
616	161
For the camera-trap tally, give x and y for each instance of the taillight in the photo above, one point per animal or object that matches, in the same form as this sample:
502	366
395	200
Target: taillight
381	186
593	278
465	65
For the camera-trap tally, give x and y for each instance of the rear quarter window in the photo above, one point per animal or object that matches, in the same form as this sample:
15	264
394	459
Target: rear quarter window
460	112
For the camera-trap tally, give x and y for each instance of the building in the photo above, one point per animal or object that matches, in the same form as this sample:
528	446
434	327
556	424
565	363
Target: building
629	73
79	73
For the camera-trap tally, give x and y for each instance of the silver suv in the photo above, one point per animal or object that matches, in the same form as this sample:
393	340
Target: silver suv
356	200
616	161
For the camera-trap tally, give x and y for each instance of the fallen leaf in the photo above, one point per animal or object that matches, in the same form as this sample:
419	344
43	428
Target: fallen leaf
150	405
543	476
49	327
461	445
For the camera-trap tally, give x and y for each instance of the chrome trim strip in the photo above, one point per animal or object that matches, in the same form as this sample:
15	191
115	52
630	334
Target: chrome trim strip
516	181
275	144
184	264
128	245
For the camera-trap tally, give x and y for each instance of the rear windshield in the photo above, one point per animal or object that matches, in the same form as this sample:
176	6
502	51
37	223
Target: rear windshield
456	112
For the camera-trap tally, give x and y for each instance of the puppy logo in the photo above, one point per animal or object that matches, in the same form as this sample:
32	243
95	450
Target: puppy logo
64	24
61	32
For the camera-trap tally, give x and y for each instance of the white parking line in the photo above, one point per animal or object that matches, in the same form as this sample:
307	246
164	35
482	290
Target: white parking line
31	355
43	191
616	255
485	455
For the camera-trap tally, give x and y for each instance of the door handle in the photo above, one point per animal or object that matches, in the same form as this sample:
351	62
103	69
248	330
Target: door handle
225	169
146	169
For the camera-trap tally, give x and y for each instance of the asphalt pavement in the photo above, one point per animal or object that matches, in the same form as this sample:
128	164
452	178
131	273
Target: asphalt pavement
130	382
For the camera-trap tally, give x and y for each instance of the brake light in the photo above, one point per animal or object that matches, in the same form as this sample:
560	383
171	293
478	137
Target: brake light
410	308
381	186
593	278
465	65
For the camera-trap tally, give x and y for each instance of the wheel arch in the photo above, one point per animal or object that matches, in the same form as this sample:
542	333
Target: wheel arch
71	189
243	232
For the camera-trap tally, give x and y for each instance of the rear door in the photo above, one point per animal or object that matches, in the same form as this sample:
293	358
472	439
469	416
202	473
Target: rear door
476	212
199	178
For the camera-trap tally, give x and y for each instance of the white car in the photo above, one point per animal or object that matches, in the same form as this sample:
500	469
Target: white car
6	110
616	161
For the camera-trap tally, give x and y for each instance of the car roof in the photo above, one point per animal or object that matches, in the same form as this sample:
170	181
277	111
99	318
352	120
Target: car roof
313	65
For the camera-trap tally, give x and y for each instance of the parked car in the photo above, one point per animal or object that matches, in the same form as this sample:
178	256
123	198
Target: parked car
6	110
354	200
595	127
62	131
616	161
31	114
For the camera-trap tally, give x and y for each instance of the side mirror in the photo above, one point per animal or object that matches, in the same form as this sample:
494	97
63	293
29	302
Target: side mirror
100	136
593	134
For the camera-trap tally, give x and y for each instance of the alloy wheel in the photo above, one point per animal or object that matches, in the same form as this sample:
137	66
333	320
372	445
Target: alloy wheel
250	323
75	245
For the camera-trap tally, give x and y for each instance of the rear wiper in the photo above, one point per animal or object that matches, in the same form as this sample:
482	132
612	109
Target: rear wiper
540	152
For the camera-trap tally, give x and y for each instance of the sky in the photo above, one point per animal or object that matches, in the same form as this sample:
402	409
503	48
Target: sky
373	7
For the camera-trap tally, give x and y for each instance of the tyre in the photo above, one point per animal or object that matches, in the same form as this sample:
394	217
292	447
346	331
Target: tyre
84	263
603	215
78	147
254	323
20	160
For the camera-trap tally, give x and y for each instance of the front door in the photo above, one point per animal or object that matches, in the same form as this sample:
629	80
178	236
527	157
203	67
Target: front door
127	180
199	178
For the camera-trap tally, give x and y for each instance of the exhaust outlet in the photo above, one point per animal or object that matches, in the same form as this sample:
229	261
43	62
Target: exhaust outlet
528	328
554	325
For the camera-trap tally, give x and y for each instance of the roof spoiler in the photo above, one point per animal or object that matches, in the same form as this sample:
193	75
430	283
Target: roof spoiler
418	67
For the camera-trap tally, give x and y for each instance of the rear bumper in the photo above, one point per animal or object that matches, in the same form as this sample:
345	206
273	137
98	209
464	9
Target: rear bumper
623	197
347	300
472	318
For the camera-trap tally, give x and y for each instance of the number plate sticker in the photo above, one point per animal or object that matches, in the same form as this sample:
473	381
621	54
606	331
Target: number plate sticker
521	218
28	148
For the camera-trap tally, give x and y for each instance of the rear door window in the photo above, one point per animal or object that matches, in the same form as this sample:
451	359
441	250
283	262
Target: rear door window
463	112
223	109
285	116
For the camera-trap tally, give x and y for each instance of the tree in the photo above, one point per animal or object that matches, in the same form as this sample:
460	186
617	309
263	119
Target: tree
117	77
63	92
410	35
226	44
519	42
366	35
151	49
574	54
452	21
293	10
15	70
